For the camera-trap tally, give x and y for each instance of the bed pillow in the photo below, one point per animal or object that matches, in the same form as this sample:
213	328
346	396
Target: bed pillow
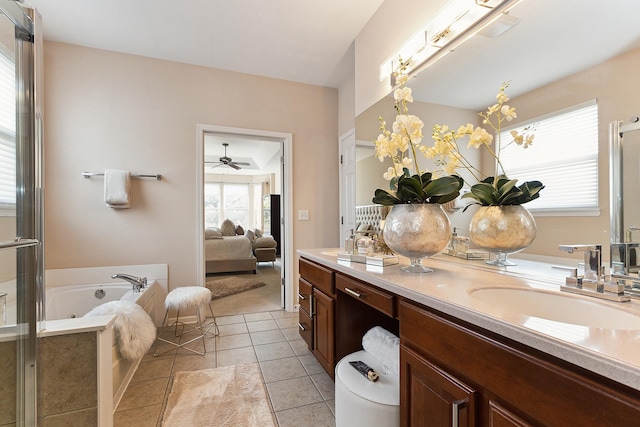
239	230
228	228
212	233
264	242
363	227
250	235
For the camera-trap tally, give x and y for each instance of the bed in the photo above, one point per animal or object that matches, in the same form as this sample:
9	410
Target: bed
226	254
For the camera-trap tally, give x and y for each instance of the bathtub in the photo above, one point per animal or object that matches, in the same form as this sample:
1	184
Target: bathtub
71	293
70	302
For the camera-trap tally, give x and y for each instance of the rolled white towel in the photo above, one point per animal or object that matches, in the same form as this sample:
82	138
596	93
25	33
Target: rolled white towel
135	331
384	347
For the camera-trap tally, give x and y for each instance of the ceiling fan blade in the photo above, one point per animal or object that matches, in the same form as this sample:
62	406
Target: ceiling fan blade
242	163
233	165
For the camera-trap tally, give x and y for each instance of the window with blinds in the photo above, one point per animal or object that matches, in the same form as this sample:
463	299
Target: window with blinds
7	136
563	156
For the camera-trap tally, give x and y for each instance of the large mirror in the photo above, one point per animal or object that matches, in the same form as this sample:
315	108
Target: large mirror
557	55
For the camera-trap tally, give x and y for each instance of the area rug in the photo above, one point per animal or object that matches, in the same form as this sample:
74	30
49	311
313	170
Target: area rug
231	285
229	396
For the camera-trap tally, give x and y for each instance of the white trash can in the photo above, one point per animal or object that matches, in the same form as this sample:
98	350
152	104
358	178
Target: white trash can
360	402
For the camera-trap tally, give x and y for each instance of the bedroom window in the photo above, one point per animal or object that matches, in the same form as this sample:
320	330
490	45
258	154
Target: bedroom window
212	204
234	201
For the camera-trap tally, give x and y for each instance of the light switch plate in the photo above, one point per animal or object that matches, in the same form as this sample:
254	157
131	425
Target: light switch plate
303	215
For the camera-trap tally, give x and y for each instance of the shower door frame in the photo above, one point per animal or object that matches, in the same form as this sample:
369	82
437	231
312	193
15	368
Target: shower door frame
29	218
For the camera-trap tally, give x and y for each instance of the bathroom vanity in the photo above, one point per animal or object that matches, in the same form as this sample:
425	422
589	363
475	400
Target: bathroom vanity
479	347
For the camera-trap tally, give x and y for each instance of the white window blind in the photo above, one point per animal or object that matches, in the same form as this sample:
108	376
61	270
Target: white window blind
7	134
563	156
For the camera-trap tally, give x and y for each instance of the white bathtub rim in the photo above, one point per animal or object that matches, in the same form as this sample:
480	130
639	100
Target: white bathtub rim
93	275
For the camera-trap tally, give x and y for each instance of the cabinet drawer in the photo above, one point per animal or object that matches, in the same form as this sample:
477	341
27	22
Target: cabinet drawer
376	298
305	327
318	276
304	295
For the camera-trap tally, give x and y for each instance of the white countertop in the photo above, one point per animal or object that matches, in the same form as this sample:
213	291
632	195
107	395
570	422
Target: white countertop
612	353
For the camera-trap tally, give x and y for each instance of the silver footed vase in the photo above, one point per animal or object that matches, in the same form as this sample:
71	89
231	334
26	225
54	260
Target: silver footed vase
417	231
502	230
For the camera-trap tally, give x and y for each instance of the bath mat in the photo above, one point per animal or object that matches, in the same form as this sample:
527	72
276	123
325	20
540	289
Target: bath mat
231	285
228	396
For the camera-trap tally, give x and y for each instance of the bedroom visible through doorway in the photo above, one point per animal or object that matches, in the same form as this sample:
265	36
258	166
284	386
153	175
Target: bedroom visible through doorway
242	177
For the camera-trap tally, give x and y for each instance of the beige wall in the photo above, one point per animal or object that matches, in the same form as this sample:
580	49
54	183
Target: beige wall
111	110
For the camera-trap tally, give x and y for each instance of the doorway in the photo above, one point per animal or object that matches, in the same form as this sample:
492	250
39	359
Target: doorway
286	255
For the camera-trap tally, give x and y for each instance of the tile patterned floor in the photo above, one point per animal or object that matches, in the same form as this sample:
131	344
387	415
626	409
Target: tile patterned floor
299	390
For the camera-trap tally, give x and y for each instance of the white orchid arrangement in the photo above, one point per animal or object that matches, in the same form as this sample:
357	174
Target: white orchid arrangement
496	190
407	182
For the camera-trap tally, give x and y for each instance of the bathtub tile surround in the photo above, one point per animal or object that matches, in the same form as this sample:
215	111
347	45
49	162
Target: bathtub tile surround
296	384
7	385
68	378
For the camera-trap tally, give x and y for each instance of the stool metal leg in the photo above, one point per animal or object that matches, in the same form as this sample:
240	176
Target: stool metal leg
200	327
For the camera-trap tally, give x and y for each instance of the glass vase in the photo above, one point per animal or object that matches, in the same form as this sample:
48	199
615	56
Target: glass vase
502	230
417	231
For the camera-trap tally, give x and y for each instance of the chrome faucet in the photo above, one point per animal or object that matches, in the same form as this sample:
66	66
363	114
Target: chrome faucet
138	283
593	283
592	261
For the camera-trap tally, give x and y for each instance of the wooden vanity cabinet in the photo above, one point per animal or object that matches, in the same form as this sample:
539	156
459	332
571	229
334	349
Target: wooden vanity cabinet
317	323
305	321
454	373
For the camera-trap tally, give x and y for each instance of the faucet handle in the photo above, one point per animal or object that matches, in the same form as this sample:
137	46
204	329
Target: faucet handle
573	279
573	271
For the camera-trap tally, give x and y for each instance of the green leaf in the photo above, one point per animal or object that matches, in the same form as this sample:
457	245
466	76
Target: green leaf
483	192
443	189
384	198
410	189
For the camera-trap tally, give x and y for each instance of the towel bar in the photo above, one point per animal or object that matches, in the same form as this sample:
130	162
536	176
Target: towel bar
156	176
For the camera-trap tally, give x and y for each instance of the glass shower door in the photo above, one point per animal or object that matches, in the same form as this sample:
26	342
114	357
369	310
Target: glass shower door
21	267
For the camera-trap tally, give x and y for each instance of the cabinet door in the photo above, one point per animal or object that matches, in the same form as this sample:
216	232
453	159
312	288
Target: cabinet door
502	417
323	333
431	397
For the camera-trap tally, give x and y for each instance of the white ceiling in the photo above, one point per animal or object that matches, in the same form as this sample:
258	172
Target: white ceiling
263	154
302	41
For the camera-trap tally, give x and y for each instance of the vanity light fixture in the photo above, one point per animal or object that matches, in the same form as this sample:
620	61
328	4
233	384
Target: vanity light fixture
453	25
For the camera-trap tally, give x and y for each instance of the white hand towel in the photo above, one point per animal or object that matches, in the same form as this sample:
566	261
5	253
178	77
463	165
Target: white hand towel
117	186
384	347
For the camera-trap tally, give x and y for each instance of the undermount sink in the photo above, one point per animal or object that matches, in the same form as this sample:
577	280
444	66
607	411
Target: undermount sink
557	307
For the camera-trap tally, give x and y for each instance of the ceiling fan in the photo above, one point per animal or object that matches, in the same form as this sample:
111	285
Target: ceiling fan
228	161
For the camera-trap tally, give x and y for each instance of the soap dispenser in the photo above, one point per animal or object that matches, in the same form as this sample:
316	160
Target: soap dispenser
349	243
452	243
